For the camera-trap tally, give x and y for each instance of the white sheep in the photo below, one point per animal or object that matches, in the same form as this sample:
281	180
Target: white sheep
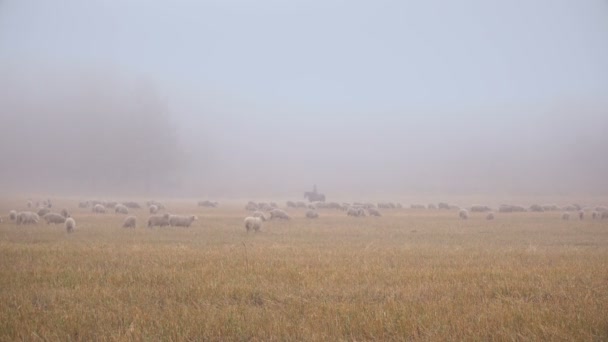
129	222
254	223
121	209
99	209
158	220
70	224
566	216
43	211
53	218
153	209
279	214
12	215
181	221
595	215
355	212
27	217
311	214
131	205
480	208
83	204
490	216
251	206
65	213
463	214
373	212
260	215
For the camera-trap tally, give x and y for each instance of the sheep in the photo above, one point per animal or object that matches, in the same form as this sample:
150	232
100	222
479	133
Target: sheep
27	217
43	211
259	215
355	212
53	218
566	216
595	215
581	214
509	208
300	205
99	209
29	204
129	222
601	209
264	206
537	208
121	209
480	208
604	215
273	205
70	224
290	204
311	214
1	219
431	206
251	206
181	221
373	212
12	215
65	213
550	207
417	206
110	205
158	220
153	209
157	204
208	204
279	214
443	205
83	204
131	205
463	214
254	223
490	216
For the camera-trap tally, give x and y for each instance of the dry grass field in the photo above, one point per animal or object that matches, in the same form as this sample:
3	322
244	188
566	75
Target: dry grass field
409	275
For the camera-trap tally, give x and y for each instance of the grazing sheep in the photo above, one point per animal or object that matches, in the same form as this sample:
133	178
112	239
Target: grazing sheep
594	215
509	208
312	214
27	217
463	214
70	224
291	204
604	215
132	205
159	205
251	206
99	209
84	204
431	206
601	209
254	223
43	211
129	222
264	206
158	220
260	215
181	221
550	207
65	213
208	204
566	216
110	205
537	208
490	216
480	208
54	218
373	212
121	209
153	209
12	215
279	214
273	205
443	205
581	214
400	206
355	212
417	206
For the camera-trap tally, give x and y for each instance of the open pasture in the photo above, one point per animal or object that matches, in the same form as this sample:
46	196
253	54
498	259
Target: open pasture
408	275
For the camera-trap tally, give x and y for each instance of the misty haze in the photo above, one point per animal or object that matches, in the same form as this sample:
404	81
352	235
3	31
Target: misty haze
154	159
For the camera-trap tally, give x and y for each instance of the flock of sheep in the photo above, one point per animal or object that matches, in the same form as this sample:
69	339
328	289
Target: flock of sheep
263	211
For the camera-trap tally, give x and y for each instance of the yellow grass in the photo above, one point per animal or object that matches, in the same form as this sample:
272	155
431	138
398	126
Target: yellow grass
409	275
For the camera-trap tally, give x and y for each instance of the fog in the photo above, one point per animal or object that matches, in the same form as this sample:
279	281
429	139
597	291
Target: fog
257	99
